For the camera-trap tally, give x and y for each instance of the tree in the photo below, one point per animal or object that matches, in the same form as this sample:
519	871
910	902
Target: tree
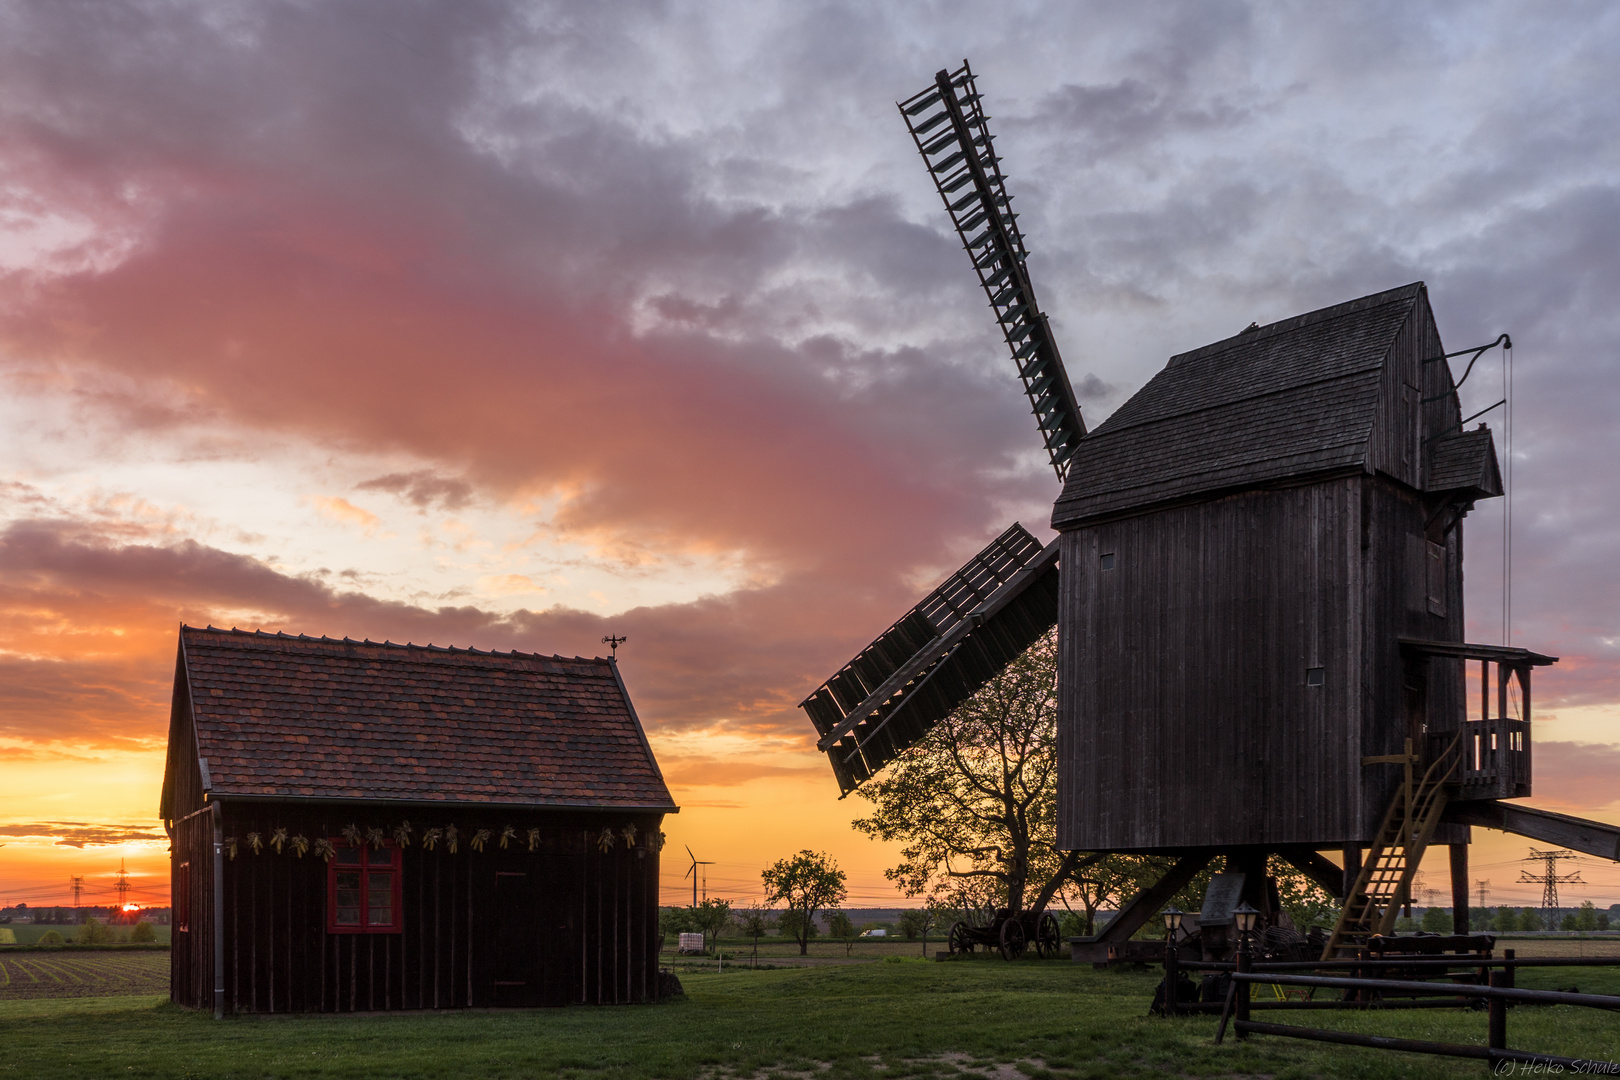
916	922
755	923
1436	921
1587	917
94	932
142	933
806	883
974	799
709	918
840	927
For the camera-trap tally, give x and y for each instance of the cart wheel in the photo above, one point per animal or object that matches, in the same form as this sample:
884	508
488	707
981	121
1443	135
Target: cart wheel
1013	939
1048	938
959	942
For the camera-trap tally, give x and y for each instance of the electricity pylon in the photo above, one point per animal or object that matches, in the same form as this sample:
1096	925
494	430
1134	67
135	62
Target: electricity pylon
1549	879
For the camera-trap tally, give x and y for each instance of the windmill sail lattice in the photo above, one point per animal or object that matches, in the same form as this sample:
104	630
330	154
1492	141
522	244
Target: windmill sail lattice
936	656
953	136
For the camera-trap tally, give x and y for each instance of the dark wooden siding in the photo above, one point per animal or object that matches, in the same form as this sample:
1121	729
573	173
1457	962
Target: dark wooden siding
1403	695
569	923
1187	718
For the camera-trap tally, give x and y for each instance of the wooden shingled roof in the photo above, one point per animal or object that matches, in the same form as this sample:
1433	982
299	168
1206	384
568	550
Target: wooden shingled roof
283	716
1292	399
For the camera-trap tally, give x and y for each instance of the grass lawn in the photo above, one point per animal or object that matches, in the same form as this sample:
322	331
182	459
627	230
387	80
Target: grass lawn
974	1018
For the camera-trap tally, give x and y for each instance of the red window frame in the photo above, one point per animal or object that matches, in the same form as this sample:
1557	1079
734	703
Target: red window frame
360	896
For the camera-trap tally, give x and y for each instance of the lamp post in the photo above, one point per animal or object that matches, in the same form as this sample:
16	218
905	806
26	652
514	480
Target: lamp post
1172	960
1244	916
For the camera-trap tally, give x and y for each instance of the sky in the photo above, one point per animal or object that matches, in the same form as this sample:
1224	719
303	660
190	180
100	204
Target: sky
514	325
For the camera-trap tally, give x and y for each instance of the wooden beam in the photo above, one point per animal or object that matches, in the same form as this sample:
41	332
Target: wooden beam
1589	837
1146	904
1314	866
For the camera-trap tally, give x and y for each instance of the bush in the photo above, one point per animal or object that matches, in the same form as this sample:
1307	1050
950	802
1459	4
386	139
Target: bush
94	932
50	937
142	933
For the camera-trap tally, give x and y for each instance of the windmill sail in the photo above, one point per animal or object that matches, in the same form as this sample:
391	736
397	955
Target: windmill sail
953	136
942	651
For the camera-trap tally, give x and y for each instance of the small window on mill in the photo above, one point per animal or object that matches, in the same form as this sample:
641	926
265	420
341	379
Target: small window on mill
1315	676
1108	560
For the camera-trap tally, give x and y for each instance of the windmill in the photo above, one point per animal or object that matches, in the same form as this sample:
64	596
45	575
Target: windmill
694	873
1257	585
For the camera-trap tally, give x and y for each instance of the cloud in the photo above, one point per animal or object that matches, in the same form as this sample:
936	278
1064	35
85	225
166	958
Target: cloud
342	510
80	834
677	274
1574	776
423	489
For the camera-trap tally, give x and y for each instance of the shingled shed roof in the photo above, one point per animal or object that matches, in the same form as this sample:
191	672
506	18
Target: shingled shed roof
280	716
1293	398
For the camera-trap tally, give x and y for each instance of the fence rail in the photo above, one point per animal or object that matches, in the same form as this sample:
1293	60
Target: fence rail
1496	996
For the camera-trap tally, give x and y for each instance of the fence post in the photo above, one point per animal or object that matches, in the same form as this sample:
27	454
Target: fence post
1496	1011
1242	1013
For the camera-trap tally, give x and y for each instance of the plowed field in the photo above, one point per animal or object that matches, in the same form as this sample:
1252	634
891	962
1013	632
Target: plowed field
56	975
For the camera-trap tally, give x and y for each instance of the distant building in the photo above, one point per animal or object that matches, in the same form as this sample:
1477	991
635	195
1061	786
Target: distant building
364	826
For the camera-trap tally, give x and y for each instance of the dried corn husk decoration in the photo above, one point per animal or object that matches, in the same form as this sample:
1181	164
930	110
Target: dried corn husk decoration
374	837
534	839
300	844
508	834
278	838
431	837
324	848
479	839
658	840
629	834
402	834
351	833
451	836
604	842
255	841
230	847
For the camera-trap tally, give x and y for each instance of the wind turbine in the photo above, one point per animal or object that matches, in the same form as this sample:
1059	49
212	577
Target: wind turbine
692	872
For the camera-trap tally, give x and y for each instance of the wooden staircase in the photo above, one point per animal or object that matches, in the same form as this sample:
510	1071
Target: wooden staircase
1386	874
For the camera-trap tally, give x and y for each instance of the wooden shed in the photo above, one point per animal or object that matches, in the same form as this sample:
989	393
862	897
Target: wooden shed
365	826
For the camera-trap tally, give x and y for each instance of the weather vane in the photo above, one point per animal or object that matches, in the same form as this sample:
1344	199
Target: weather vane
613	642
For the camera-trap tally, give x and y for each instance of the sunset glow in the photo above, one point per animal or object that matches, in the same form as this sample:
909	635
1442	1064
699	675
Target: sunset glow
516	326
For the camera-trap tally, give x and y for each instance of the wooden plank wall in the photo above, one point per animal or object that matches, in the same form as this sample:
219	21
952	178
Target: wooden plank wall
585	917
191	952
1188	721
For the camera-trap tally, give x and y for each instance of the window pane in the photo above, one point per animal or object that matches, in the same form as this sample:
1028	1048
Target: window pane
348	856
348	881
348	916
379	899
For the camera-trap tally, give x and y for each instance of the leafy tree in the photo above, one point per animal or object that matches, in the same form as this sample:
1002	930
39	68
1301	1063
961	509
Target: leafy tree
1505	921
806	883
94	932
1436	921
792	925
142	933
1587	917
709	918
974	798
842	927
51	937
1529	919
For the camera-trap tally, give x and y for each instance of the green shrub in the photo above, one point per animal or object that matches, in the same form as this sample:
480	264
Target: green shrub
142	933
50	937
94	932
